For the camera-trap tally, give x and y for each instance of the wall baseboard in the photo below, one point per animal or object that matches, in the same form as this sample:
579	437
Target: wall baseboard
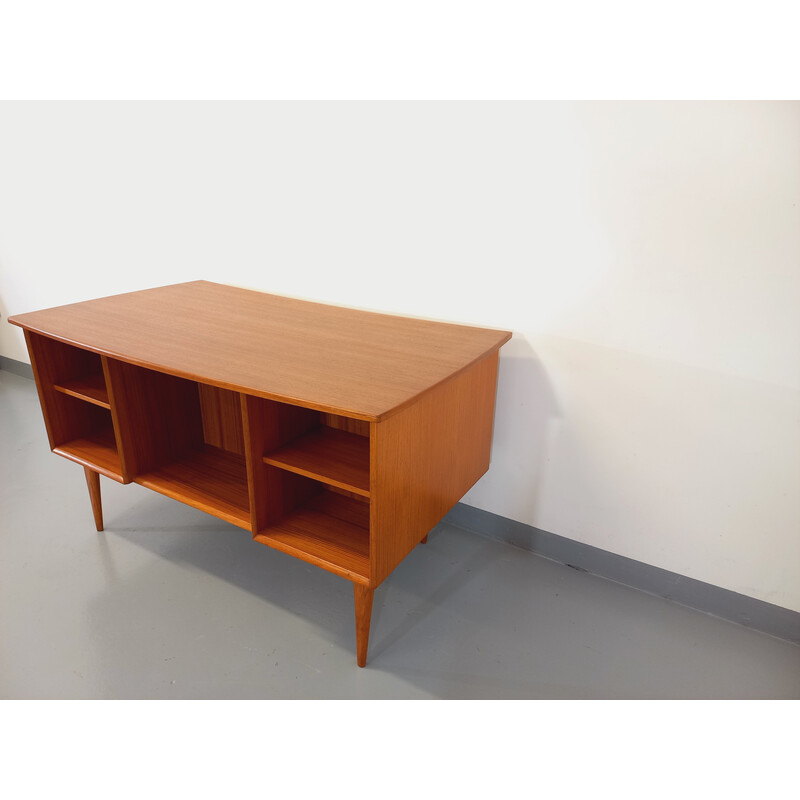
765	617
17	367
757	614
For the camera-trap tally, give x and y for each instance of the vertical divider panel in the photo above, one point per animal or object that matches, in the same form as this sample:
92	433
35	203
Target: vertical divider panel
253	427
118	423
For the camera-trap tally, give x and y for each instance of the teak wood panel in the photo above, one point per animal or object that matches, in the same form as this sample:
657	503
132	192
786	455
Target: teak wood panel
330	455
66	418
267	426
328	530
158	417
338	360
98	452
60	362
425	458
222	418
211	479
90	388
357	426
93	485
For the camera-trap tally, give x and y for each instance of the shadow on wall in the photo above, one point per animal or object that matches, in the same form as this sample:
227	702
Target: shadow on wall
527	418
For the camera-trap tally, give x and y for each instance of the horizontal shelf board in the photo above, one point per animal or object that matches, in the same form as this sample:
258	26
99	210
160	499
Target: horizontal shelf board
330	531
98	452
91	388
333	456
211	479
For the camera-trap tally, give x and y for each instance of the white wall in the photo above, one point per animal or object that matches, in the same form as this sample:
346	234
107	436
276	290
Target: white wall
646	255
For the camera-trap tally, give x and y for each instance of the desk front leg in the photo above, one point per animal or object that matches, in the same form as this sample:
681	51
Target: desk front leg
363	600
93	484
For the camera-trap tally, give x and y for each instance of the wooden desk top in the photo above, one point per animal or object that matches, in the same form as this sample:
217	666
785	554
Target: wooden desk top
339	360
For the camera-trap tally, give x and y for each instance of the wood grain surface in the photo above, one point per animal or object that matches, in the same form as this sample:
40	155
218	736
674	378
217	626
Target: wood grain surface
267	426
97	450
362	596
210	479
425	458
91	388
339	360
66	417
158	416
222	418
328	530
93	485
331	455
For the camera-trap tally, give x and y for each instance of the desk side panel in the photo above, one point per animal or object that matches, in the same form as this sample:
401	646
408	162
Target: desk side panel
425	458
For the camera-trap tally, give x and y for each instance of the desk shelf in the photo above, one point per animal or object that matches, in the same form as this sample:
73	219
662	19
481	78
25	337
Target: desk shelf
330	530
98	451
91	388
74	397
335	457
211	479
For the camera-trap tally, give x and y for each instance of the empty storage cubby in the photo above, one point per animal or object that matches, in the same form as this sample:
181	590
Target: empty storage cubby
182	439
311	485
335	450
74	398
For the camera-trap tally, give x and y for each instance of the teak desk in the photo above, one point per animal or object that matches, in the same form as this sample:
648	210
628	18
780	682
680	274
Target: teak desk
338	436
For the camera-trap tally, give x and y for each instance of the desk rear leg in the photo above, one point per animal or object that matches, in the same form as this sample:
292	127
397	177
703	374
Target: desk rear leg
93	482
363	600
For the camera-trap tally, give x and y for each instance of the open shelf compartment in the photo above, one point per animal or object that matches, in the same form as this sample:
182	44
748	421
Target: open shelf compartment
96	450
209	478
310	485
329	529
71	370
91	388
182	439
333	456
74	399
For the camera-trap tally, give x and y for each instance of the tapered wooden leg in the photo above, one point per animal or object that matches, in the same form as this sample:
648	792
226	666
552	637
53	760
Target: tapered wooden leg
93	482
363	598
424	539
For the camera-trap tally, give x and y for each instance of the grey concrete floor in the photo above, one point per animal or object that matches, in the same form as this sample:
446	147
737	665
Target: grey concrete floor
169	602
